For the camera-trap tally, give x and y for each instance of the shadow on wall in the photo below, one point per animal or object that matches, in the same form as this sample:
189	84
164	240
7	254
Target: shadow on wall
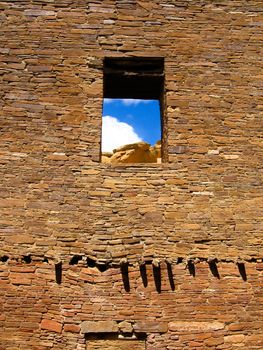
158	268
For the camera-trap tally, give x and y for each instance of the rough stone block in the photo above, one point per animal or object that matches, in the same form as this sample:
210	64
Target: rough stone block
125	327
73	328
150	327
193	326
51	325
235	338
99	327
177	149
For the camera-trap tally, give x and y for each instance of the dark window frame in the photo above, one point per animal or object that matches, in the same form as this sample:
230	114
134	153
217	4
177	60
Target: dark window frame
137	78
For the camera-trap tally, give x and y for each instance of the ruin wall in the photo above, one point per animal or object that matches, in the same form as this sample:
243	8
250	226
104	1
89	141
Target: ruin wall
162	256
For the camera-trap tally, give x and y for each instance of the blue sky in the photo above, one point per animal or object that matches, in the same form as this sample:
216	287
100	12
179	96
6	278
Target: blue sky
128	121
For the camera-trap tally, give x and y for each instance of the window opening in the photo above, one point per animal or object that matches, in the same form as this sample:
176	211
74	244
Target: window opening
114	341
132	120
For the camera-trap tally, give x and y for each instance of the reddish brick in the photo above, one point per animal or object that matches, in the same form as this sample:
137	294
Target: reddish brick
51	325
69	327
151	327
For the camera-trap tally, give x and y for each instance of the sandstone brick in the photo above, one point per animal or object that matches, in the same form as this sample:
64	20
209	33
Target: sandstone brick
194	326
51	325
235	338
20	239
125	327
73	328
237	326
39	13
178	149
231	156
150	327
214	341
12	203
99	327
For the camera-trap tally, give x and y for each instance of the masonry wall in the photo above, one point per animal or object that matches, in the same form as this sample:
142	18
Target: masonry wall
78	235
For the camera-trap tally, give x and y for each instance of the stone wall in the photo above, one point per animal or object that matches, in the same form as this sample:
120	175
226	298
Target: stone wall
182	311
173	249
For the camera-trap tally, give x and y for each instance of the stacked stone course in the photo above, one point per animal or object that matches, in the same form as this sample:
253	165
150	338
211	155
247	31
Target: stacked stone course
162	256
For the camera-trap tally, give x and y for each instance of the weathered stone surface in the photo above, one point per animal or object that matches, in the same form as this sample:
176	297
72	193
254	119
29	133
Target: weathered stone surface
20	239
214	341
235	338
178	149
151	327
105	159
59	202
156	150
140	152
99	327
125	327
51	325
42	296
184	326
73	328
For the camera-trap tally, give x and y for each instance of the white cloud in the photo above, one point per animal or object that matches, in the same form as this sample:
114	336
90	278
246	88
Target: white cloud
116	134
108	100
126	101
133	102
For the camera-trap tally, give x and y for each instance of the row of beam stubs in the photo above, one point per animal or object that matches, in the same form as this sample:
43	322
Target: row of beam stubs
124	265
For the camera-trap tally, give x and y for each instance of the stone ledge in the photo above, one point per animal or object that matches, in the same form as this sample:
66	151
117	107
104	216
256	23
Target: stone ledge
99	327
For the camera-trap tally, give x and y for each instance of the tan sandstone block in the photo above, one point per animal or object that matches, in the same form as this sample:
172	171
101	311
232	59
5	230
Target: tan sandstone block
99	327
185	326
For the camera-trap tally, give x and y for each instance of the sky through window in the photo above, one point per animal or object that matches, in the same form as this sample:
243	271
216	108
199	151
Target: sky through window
127	121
